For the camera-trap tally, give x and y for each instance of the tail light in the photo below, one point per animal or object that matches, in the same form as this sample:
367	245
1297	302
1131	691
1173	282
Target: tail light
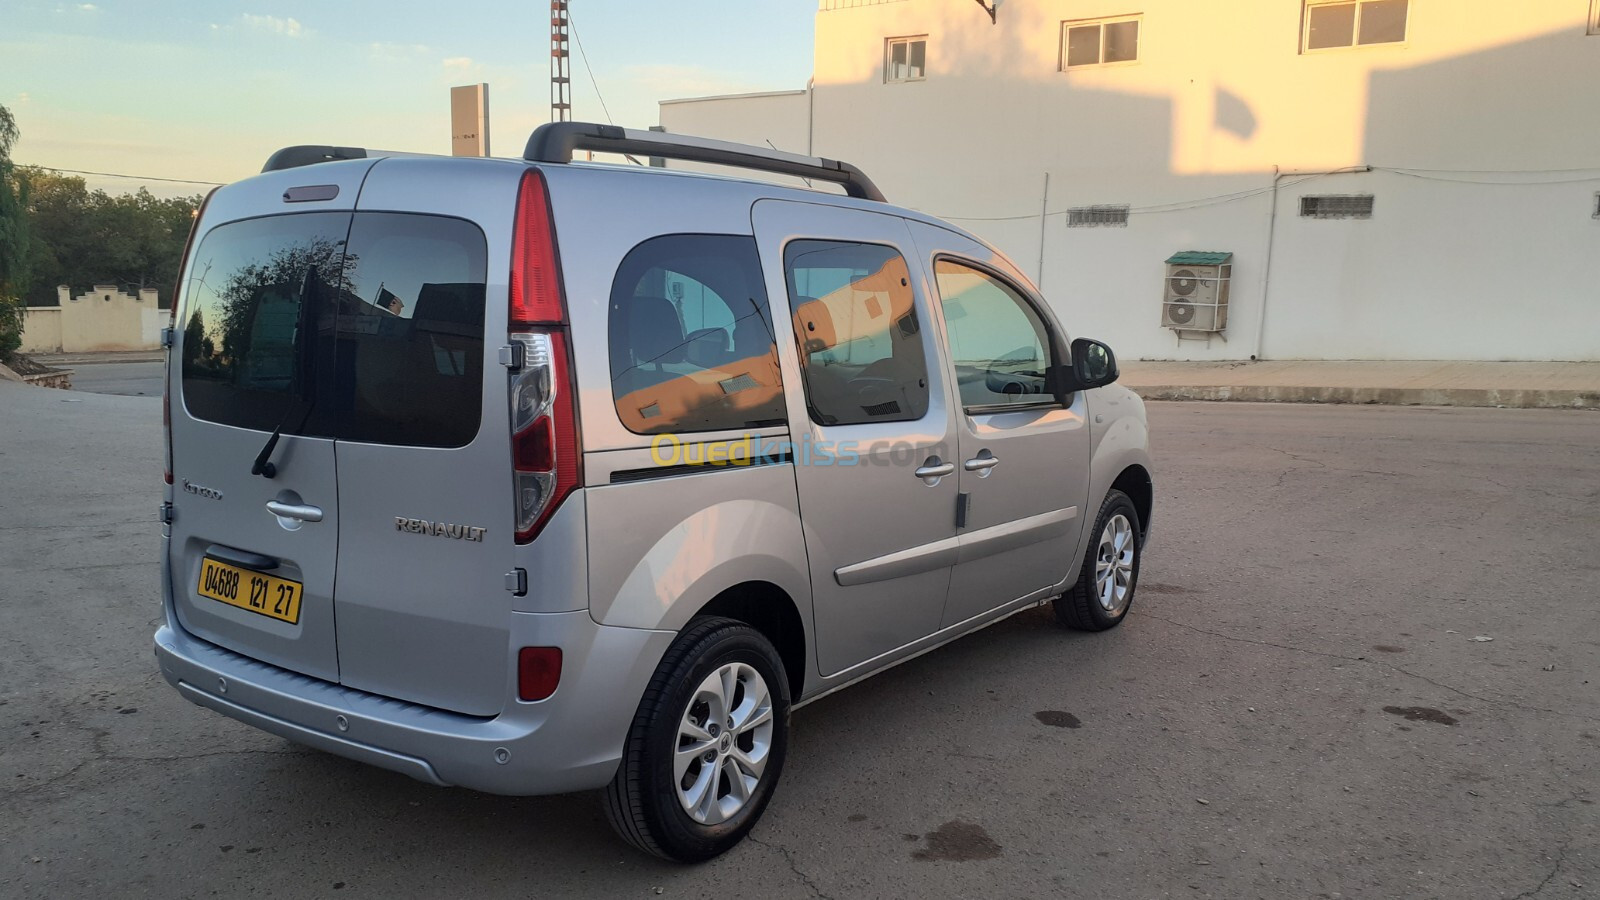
545	452
172	323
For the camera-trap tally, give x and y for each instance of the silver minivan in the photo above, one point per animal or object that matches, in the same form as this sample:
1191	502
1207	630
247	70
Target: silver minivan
534	476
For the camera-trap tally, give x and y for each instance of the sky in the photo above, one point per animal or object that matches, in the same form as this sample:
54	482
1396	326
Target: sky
189	89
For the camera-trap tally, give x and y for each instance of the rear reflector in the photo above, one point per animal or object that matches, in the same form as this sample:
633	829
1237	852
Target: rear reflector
538	672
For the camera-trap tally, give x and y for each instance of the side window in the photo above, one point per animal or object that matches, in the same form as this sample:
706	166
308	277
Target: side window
691	337
998	343
856	325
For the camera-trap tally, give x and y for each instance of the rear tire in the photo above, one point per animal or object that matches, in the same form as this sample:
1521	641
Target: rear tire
1110	572
706	747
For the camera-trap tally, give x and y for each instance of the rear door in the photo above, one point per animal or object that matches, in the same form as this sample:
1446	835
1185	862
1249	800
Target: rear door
425	484
871	425
252	356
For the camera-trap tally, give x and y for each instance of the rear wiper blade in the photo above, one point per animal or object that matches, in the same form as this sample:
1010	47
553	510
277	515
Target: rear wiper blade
305	358
263	465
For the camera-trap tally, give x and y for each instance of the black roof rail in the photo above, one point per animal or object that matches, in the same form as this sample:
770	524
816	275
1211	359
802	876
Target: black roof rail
556	142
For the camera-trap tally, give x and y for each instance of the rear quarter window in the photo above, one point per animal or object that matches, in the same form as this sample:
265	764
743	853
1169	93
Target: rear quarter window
691	337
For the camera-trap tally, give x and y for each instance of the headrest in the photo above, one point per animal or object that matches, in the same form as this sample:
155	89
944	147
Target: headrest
813	322
750	337
655	333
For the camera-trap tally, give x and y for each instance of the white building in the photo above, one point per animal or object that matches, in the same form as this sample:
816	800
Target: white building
1465	213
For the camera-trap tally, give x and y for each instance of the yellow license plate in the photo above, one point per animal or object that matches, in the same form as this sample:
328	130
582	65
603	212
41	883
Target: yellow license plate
275	598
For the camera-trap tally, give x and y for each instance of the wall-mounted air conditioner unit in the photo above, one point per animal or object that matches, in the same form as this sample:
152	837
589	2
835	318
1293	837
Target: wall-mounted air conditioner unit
1195	297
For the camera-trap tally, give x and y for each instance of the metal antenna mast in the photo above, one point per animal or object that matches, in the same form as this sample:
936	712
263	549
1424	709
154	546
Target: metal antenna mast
560	71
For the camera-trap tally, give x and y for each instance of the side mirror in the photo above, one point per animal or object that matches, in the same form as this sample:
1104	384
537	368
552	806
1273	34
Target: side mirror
1093	365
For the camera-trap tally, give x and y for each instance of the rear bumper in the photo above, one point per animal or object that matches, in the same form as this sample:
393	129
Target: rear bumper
569	742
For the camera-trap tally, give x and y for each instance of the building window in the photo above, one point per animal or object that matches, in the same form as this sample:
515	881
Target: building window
1099	43
905	59
1097	217
1337	206
1331	26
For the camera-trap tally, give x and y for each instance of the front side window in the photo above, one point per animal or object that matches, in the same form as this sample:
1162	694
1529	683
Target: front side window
691	337
855	321
1099	43
906	59
1349	24
364	328
998	342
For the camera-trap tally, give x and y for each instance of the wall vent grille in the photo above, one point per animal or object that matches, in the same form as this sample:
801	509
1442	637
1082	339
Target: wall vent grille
1097	217
1337	206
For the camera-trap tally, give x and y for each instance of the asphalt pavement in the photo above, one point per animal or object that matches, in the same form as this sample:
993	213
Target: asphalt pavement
1364	661
131	379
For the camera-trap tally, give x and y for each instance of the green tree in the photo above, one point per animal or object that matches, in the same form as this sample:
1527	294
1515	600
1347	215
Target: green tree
14	240
83	237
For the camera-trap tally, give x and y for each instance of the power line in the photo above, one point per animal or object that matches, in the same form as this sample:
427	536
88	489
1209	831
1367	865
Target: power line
1176	206
1217	200
573	25
120	175
1418	173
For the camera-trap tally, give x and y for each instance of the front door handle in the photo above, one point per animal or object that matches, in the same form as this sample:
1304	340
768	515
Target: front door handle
981	463
301	511
934	469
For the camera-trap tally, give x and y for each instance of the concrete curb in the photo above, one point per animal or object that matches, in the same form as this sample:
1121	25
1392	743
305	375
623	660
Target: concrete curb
60	378
89	359
1516	398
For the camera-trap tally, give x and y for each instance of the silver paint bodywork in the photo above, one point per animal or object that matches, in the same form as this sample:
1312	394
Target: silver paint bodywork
417	672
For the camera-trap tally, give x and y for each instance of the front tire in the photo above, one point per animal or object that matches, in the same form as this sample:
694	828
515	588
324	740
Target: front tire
707	745
1110	572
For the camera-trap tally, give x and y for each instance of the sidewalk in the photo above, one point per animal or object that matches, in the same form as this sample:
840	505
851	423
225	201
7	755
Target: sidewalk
1561	385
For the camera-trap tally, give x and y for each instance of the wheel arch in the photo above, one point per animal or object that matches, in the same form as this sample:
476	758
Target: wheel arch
770	610
1135	482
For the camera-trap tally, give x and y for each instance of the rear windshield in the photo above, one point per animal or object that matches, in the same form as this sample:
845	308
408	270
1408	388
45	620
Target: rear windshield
365	327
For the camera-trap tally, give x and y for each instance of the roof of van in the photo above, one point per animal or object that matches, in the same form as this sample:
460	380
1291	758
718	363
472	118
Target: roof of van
557	143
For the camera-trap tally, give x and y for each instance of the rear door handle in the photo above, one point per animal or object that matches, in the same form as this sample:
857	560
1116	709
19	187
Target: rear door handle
934	469
303	512
241	558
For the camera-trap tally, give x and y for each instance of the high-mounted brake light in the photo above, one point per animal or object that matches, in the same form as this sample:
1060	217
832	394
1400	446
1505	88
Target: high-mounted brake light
546	458
172	323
